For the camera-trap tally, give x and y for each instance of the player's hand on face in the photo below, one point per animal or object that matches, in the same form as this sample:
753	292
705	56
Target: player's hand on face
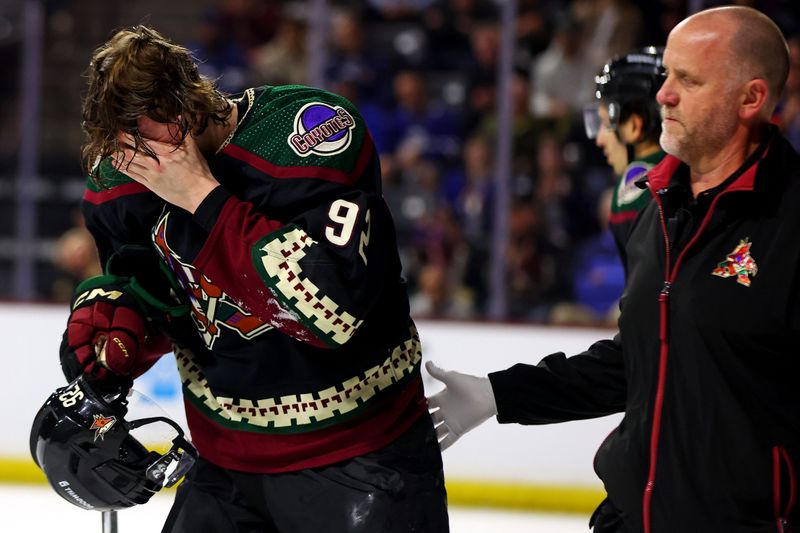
179	173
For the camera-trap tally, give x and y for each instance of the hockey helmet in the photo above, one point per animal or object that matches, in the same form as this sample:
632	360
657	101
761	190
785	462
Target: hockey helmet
85	447
628	80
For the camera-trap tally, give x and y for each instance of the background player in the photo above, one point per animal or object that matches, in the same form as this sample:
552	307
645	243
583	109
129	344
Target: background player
626	124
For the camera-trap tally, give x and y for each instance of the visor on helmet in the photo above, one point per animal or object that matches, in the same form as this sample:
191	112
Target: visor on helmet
168	468
592	122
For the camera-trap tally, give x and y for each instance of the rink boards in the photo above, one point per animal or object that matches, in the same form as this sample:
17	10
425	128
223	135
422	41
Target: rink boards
525	467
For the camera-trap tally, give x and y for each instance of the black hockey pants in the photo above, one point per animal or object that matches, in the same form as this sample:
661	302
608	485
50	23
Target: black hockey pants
398	489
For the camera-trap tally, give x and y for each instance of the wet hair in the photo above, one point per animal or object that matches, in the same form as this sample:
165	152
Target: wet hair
137	73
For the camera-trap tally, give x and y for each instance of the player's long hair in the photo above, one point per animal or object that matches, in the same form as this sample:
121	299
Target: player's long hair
138	72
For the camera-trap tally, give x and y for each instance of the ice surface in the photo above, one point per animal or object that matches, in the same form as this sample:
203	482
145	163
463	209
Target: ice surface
37	509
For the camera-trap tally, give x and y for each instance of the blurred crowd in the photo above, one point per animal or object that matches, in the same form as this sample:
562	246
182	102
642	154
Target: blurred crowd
424	75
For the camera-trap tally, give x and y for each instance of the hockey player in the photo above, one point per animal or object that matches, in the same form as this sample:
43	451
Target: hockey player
626	124
300	364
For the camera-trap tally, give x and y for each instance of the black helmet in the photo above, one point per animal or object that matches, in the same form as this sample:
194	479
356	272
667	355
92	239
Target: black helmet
629	83
85	448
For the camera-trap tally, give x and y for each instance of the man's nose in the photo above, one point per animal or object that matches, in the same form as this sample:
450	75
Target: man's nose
665	95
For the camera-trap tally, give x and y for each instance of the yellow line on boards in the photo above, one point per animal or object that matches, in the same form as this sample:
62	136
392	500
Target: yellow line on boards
20	471
524	496
460	492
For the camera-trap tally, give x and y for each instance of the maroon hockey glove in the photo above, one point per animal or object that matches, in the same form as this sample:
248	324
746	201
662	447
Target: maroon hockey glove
107	335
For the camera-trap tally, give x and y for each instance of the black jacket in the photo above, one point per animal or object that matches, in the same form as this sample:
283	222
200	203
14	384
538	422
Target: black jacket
706	365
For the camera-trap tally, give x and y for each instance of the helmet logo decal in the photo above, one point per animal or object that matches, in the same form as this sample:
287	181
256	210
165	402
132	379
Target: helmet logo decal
321	129
102	425
738	263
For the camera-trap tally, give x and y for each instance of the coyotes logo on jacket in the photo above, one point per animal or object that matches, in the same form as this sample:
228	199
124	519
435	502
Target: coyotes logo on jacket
738	263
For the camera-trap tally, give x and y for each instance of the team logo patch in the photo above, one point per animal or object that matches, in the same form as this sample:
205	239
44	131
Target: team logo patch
102	425
627	191
738	263
212	309
321	129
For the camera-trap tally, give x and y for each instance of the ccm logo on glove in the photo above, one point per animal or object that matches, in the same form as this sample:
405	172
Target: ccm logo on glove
106	334
95	293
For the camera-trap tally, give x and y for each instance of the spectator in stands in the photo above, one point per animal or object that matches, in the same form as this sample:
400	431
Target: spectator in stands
598	277
75	258
526	129
482	73
250	23
561	74
283	60
612	27
449	25
529	268
420	127
469	191
220	56
467	188
349	58
533	28
436	297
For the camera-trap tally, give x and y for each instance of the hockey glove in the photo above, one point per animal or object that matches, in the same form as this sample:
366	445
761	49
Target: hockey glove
107	336
465	403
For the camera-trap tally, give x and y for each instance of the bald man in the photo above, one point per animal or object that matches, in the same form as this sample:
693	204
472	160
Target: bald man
706	364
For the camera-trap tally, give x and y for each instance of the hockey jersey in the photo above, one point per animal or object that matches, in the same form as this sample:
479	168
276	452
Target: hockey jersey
629	198
300	351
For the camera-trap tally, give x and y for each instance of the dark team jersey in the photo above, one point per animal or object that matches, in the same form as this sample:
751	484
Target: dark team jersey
628	199
302	352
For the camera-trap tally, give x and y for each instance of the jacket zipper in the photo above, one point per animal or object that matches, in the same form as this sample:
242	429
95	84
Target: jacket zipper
779	456
663	356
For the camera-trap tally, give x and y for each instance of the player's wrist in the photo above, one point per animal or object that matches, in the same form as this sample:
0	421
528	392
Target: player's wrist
197	194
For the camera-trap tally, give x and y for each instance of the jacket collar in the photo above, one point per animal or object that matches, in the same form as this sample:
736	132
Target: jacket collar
743	179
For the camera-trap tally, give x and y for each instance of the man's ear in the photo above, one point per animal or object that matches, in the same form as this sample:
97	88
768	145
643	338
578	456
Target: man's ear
755	94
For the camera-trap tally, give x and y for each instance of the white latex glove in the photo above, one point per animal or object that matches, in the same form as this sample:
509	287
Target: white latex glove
464	404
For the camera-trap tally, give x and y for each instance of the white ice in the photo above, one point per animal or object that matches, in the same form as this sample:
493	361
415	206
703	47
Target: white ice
37	509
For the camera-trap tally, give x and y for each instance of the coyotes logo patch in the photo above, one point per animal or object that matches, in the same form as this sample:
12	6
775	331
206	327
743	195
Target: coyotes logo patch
738	263
102	425
321	129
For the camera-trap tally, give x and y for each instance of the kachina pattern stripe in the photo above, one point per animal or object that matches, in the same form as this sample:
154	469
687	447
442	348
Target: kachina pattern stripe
280	261
304	408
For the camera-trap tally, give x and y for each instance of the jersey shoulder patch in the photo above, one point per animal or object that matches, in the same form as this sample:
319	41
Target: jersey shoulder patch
301	131
627	193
